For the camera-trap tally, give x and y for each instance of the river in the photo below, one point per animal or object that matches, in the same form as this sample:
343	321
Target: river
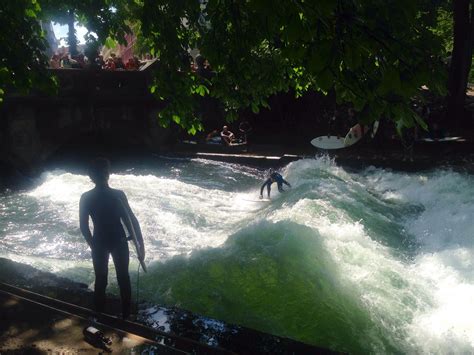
361	261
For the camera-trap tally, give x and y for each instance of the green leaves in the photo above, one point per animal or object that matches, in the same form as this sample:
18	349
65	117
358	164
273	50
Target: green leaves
22	59
373	54
390	81
110	42
201	90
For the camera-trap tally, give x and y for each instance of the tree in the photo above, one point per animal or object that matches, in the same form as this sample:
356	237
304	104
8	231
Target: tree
463	29
375	54
22	59
101	17
22	62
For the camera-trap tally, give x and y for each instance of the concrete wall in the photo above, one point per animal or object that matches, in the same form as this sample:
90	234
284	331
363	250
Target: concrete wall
94	107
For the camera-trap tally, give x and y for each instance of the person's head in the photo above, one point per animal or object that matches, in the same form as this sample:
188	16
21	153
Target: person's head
200	61
225	128
99	171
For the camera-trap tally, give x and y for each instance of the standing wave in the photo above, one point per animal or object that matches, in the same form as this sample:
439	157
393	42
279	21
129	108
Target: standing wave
358	261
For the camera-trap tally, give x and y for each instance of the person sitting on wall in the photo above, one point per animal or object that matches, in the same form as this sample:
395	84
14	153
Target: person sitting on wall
55	63
214	137
109	64
119	63
100	61
227	136
131	65
65	61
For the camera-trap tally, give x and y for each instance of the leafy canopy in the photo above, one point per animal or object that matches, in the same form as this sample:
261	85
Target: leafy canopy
375	54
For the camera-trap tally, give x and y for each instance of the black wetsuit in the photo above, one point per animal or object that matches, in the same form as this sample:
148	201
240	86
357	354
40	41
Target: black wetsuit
274	177
106	207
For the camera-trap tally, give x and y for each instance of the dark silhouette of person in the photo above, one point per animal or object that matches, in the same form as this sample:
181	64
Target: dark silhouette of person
203	70
274	177
107	207
245	128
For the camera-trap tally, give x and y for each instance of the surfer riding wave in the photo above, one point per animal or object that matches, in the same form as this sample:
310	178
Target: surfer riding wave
274	177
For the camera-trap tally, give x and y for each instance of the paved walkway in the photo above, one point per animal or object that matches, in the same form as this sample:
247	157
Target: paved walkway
32	329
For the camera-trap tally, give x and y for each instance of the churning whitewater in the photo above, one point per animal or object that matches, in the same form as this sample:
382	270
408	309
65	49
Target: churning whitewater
367	261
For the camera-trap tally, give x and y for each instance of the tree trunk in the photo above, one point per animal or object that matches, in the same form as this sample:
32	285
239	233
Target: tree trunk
461	59
71	35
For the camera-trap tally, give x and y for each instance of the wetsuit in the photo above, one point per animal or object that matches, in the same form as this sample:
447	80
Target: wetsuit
106	207
274	177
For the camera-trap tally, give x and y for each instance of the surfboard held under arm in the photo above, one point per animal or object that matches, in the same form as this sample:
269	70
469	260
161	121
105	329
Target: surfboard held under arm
134	239
140	256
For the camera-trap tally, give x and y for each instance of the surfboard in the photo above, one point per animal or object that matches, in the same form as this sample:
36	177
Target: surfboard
357	131
375	128
134	239
354	135
328	142
259	200
137	248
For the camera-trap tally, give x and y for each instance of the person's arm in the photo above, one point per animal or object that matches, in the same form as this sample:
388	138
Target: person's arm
132	222
285	182
225	139
84	221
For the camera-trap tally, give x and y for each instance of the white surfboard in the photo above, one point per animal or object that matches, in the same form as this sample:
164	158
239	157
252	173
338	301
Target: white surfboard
354	135
133	238
259	200
328	142
375	128
357	131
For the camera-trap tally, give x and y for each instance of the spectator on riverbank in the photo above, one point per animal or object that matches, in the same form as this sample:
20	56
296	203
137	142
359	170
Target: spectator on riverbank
55	62
109	64
203	69
119	63
99	61
66	62
132	64
227	136
213	137
408	138
335	126
78	61
245	128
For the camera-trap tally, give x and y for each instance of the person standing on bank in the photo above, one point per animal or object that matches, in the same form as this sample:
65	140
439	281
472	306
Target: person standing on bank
274	177
107	207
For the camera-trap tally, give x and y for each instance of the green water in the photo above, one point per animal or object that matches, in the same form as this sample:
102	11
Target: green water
358	261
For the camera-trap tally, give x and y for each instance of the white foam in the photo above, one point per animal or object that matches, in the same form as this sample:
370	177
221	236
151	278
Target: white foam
425	301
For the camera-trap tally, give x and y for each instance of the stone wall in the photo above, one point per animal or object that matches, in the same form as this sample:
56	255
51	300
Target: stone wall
94	107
